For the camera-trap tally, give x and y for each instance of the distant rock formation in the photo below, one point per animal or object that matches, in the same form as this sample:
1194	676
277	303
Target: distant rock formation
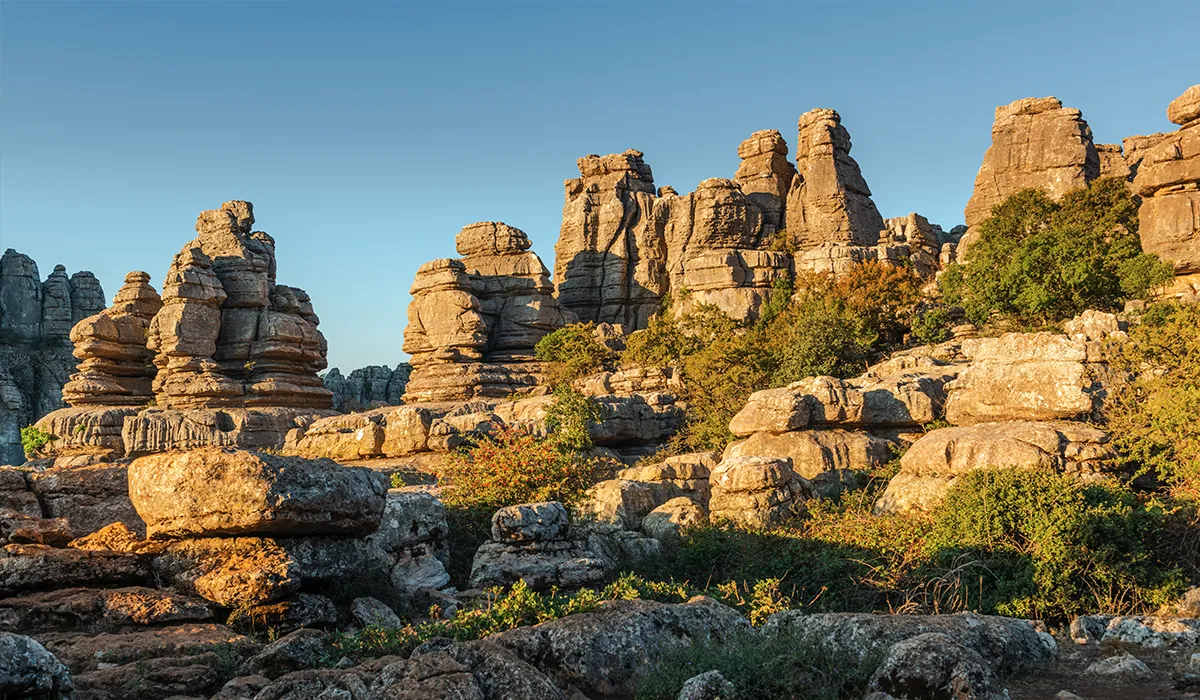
1167	177
473	323
829	202
765	176
226	357
367	387
35	351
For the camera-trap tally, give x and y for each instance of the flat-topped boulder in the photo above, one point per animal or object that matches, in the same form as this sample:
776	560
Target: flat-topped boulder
216	491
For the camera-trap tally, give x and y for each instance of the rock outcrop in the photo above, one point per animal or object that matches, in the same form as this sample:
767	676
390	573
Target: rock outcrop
367	387
829	201
235	355
765	175
610	259
1036	143
35	350
1168	180
115	366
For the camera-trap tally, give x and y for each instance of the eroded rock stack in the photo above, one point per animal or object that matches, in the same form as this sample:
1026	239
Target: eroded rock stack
235	354
765	175
829	202
367	387
610	260
1036	143
500	297
35	352
1168	180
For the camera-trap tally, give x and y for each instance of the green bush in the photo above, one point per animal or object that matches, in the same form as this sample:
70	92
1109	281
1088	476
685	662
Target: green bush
1057	546
569	418
33	439
1153	414
786	665
1041	261
573	352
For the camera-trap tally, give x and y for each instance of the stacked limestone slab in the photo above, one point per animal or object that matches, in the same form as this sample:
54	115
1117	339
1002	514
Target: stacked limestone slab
1168	180
474	322
372	386
35	350
226	356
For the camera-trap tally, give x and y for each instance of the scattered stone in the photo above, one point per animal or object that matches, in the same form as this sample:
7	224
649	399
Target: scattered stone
619	502
757	492
292	652
372	612
935	665
530	522
710	685
1123	666
667	520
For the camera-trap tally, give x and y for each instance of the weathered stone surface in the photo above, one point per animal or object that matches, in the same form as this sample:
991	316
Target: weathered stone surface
667	520
935	665
28	670
445	327
765	175
756	492
1123	666
97	609
1112	161
610	262
1007	644
116	367
154	430
372	612
218	491
1021	376
1036	143
292	652
829	201
227	334
413	534
116	537
38	567
530	522
515	295
88	497
679	475
930	466
831	459
619	502
710	685
35	353
240	571
543	564
600	653
16	528
1168	180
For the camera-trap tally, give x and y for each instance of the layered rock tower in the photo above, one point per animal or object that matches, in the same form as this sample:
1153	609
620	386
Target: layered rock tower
225	357
1168	180
35	348
473	322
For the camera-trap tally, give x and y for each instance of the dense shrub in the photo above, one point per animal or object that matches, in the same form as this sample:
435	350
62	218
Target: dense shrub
1057	546
573	352
1041	261
511	467
787	665
1153	415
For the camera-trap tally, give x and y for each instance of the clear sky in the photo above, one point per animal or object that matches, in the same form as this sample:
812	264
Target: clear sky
368	134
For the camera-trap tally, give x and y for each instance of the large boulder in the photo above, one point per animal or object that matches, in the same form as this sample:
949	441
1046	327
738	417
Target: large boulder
830	459
30	567
88	497
1022	376
930	467
27	670
756	492
233	492
601	652
413	532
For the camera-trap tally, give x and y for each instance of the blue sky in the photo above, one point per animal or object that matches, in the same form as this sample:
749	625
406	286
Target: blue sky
368	134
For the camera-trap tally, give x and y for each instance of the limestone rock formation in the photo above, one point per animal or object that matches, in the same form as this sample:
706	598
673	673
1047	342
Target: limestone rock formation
1022	376
115	367
1168	180
513	288
1036	143
533	542
35	353
1112	161
414	534
610	259
765	175
934	462
367	387
829	201
228	335
756	492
